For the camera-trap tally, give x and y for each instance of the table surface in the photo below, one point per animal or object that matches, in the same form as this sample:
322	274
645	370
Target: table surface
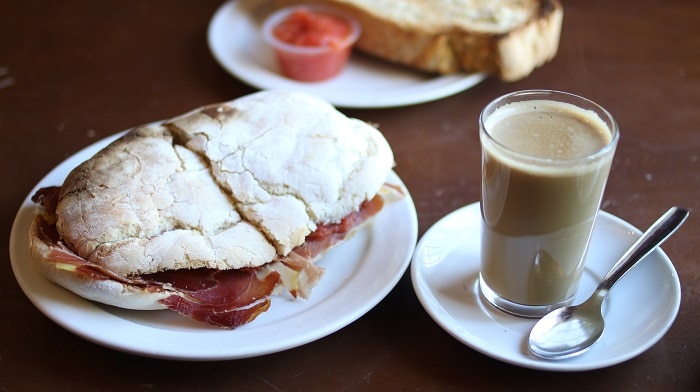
73	72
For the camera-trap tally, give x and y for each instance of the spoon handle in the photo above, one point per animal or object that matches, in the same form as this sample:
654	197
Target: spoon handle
653	237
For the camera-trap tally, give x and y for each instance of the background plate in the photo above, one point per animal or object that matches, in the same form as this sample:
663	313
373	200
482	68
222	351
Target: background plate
237	45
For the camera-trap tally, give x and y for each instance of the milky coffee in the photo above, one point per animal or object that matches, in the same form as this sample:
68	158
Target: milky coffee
545	165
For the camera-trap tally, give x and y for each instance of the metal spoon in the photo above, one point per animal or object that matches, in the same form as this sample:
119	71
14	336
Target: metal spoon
571	330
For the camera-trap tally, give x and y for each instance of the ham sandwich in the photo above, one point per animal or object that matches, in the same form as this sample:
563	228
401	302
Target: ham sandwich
211	213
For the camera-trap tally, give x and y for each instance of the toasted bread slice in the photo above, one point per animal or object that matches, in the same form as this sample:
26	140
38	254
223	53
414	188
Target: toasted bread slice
508	38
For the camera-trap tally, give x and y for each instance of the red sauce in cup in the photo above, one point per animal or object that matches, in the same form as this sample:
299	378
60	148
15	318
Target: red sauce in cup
305	28
310	44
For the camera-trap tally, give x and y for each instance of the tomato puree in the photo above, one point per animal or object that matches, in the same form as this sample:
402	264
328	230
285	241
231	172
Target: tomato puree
311	44
305	28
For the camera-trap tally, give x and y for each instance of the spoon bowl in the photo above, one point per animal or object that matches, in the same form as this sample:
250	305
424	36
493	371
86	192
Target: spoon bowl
572	330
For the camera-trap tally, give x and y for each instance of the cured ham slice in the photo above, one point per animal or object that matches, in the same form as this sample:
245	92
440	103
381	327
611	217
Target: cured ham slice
226	299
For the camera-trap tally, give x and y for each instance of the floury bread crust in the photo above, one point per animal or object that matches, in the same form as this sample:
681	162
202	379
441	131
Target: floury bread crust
225	187
508	38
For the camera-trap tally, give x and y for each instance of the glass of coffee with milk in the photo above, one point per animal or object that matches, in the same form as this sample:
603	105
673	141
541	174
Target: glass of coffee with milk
546	156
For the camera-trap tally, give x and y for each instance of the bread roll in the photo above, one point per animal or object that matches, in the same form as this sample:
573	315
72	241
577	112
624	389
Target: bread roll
226	186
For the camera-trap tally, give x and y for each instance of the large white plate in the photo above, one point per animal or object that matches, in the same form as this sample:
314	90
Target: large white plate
235	42
639	310
359	274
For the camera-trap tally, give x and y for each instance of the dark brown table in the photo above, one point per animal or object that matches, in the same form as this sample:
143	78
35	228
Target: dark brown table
73	72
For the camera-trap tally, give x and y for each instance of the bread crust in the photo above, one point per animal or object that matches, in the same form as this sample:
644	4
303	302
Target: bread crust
144	204
225	186
507	38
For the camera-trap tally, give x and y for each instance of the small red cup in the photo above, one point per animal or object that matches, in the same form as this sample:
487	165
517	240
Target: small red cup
305	61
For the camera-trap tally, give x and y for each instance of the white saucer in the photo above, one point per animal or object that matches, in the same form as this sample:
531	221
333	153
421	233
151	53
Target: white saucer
359	274
640	308
235	42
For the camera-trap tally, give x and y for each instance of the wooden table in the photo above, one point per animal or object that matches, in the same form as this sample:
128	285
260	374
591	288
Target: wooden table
73	72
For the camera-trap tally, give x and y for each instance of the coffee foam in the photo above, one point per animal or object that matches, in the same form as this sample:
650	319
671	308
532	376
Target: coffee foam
546	136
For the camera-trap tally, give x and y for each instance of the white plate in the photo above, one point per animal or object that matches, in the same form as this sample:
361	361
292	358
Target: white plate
359	274
639	310
235	42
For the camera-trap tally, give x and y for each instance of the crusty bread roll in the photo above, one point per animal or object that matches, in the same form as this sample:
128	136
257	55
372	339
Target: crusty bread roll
230	186
508	38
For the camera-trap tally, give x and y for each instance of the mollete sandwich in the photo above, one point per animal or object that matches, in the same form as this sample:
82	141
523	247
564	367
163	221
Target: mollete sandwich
211	213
